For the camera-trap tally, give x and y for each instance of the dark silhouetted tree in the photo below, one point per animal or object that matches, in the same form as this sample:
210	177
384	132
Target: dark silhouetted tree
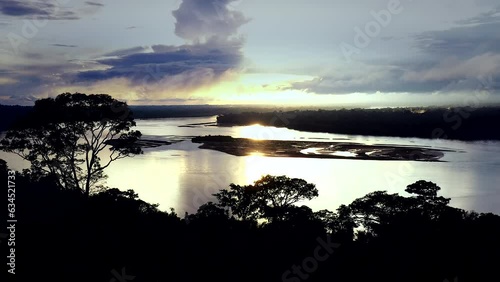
372	211
240	200
271	197
377	210
427	193
64	136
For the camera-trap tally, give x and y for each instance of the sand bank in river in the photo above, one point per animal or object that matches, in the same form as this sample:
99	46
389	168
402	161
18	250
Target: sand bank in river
310	149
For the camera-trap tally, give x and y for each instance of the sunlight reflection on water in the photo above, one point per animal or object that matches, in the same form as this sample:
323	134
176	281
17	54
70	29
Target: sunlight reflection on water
259	132
344	154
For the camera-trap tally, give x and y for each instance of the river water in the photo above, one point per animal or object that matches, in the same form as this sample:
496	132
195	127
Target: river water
183	177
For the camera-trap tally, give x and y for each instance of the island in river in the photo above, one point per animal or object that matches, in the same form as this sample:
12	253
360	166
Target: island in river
311	149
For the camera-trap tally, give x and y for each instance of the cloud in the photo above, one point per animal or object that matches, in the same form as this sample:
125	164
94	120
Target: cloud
364	78
213	54
32	56
126	52
64	45
7	80
30	81
143	65
154	73
473	36
38	8
449	74
454	68
17	100
463	41
492	16
462	55
199	20
17	8
94	3
445	61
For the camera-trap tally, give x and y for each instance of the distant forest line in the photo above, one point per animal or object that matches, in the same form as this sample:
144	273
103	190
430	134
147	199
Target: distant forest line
467	124
9	114
461	123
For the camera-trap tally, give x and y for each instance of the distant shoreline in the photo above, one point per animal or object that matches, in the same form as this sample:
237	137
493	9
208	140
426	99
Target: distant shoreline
463	124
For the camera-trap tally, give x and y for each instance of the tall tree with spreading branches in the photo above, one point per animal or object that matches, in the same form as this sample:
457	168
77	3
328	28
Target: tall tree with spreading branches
270	197
65	137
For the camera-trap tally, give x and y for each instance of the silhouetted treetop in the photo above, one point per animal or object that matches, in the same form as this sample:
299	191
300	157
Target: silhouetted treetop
270	197
74	107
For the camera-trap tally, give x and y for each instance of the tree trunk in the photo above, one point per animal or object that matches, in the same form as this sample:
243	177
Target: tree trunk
87	186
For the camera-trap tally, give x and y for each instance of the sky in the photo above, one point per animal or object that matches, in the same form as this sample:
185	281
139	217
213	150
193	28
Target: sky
367	53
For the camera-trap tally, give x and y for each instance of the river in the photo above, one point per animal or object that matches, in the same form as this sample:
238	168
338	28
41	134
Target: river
183	177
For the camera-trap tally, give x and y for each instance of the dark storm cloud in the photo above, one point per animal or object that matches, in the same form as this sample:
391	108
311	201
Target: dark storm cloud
18	8
209	24
201	19
163	61
41	9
